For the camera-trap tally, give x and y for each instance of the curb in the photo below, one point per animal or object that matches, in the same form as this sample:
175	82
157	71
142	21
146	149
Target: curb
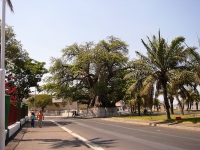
179	127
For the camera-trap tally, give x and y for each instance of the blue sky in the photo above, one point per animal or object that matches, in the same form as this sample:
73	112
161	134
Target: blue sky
45	27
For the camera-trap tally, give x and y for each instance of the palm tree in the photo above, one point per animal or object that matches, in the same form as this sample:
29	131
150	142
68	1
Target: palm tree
134	91
184	84
10	5
171	94
161	62
197	100
141	95
156	103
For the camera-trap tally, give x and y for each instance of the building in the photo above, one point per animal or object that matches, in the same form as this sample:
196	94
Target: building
65	108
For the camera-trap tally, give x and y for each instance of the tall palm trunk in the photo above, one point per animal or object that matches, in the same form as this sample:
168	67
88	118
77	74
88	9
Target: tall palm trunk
132	107
197	108
188	98
181	106
171	104
138	104
164	83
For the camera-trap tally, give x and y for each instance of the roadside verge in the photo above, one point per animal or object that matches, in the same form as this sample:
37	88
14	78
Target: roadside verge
177	125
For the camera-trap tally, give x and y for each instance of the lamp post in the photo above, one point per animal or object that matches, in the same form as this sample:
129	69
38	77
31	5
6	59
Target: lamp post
34	100
2	80
38	78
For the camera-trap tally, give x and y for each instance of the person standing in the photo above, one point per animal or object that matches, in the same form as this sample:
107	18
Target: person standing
32	119
40	117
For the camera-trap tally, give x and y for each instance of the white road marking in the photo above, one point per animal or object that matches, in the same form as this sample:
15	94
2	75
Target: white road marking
90	144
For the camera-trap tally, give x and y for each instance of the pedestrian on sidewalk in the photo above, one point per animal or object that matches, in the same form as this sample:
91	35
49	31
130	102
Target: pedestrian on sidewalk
32	119
40	117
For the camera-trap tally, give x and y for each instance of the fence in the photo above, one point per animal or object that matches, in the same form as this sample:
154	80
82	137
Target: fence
14	112
13	115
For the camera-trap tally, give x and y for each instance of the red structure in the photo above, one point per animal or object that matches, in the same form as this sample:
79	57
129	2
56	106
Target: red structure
13	114
11	90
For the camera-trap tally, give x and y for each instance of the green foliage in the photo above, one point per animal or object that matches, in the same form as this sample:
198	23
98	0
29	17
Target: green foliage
98	74
161	65
91	72
18	64
41	101
162	118
100	88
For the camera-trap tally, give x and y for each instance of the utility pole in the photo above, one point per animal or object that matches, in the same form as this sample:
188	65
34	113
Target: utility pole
38	79
2	79
34	101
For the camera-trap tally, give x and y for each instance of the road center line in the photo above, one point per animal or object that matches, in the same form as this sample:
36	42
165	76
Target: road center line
89	143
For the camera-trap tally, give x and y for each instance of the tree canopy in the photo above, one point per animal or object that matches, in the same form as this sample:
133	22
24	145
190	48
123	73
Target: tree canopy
41	101
91	73
21	70
163	64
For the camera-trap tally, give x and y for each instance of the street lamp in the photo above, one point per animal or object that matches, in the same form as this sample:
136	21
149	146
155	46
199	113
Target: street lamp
2	80
34	99
38	78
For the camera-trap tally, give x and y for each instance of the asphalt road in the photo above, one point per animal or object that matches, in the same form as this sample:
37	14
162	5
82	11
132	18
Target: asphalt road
123	136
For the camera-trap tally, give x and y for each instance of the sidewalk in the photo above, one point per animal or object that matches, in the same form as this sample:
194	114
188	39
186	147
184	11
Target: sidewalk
50	136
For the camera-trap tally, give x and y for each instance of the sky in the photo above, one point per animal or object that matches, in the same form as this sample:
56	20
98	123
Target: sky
45	27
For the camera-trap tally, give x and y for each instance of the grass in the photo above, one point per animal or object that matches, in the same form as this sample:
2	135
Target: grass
191	118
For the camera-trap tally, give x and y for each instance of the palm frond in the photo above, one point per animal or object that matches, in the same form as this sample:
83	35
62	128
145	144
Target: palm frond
184	78
10	5
175	49
160	56
147	85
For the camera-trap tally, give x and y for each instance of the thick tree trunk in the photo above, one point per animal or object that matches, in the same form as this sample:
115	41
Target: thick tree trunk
92	101
97	102
100	101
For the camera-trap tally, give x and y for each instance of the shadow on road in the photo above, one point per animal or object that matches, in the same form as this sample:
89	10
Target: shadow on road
104	143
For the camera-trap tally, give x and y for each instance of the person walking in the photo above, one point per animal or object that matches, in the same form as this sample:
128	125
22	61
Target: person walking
40	117
74	113
32	119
